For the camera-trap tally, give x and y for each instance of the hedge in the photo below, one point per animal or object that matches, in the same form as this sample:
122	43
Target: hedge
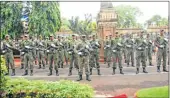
155	92
23	88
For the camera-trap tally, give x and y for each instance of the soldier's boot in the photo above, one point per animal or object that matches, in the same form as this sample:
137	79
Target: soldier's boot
22	66
39	67
127	64
133	65
59	66
104	60
90	71
144	70
108	65
98	72
158	69
121	72
137	70
57	74
62	65
150	64
50	73
13	72
44	66
165	70
80	77
88	77
31	74
70	72
113	71
26	73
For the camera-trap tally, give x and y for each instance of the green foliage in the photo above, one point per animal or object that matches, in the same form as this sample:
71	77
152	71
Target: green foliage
127	16
10	16
58	89
44	18
3	71
158	20
85	27
155	92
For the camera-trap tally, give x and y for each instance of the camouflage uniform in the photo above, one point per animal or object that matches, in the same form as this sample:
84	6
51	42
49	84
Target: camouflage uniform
130	50
162	44
105	49
65	43
83	57
41	46
141	53
60	53
21	45
52	55
117	53
94	55
109	53
73	55
28	56
149	50
7	49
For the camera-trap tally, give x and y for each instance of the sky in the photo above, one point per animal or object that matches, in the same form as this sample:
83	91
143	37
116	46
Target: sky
69	9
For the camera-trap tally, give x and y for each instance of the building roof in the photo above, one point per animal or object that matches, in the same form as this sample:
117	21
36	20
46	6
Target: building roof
106	5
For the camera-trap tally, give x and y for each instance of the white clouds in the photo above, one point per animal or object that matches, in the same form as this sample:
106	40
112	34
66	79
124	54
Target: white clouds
69	9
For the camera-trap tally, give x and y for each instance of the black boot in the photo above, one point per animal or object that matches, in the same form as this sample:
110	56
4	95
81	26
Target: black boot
133	65
128	64
13	72
150	64
144	70
39	67
121	72
137	70
70	72
113	71
104	60
80	77
57	73
31	74
88	77
98	72
61	65
164	70
44	66
22	66
158	69
50	73
90	71
26	73
108	65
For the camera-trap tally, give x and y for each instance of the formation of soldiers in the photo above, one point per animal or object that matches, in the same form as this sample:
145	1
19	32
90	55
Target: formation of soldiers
83	52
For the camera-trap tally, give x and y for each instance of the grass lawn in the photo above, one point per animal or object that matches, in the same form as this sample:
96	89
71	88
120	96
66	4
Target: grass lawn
155	92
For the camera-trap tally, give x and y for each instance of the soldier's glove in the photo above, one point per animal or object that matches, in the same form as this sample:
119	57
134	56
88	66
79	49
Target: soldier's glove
41	44
52	45
139	48
119	44
61	44
166	40
114	51
27	47
22	53
129	46
48	51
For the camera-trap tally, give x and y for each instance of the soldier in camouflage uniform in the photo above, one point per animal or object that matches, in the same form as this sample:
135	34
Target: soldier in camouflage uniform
46	54
141	44
129	44
124	48
73	56
65	43
41	46
7	49
149	50
60	52
117	53
21	45
109	53
94	55
162	44
52	49
83	55
28	55
105	49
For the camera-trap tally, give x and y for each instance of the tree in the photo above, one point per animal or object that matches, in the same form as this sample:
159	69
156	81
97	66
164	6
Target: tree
10	18
44	18
127	15
158	20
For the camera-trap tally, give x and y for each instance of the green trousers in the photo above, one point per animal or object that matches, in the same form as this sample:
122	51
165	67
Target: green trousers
83	63
9	60
140	57
117	56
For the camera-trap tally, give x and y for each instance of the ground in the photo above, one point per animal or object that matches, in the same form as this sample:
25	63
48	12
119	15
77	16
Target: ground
107	83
